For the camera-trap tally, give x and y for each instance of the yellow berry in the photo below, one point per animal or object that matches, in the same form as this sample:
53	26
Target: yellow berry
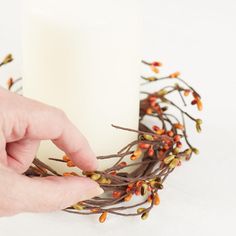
144	216
174	163
168	159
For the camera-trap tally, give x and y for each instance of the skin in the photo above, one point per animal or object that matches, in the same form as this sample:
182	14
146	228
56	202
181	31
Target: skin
23	124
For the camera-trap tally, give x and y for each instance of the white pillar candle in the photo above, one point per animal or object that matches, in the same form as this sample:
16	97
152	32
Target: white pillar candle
83	56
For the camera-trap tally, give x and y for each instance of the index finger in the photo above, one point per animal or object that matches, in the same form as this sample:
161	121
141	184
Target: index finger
48	122
76	146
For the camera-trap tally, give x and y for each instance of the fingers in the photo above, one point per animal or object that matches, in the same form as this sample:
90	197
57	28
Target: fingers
45	122
32	120
20	154
3	154
55	193
44	194
74	144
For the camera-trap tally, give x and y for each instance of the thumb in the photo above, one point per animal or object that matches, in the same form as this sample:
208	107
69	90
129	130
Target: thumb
56	193
46	194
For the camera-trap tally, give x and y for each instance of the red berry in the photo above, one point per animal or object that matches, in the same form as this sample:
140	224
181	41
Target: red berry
150	152
177	138
157	63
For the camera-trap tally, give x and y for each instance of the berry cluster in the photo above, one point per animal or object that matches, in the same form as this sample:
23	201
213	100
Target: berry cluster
142	166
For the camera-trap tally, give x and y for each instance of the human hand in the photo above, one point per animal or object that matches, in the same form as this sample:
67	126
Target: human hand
23	124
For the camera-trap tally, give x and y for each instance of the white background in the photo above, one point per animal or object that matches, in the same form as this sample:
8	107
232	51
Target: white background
198	38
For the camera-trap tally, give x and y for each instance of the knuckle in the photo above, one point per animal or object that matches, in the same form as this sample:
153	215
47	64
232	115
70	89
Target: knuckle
60	113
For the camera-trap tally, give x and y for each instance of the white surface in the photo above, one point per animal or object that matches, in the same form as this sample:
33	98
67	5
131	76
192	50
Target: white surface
198	38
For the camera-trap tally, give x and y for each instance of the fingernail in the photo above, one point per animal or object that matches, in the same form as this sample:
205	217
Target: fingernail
96	191
99	190
93	189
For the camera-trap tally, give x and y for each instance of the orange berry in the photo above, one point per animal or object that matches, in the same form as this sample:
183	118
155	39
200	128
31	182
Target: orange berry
10	83
160	131
179	126
154	69
174	75
65	158
74	173
150	152
170	133
133	157
138	152
70	164
67	174
199	104
138	192
144	145
156	200
103	217
116	194
94	210
128	197
70	174
186	92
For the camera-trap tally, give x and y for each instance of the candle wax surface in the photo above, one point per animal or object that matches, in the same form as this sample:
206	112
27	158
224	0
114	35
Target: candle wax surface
84	57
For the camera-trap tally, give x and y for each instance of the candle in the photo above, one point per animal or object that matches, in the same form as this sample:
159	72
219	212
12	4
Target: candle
83	56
